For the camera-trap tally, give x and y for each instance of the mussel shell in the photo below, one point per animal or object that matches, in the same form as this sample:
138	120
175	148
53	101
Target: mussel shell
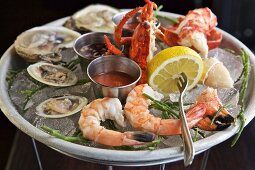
82	101
96	17
30	44
35	71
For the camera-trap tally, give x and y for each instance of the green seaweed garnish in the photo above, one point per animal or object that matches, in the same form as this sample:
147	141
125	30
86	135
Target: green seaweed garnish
11	75
30	92
78	138
218	112
197	132
150	146
72	65
155	13
167	109
170	19
242	94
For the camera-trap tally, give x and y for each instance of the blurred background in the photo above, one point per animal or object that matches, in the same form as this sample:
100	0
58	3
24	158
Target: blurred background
234	16
16	16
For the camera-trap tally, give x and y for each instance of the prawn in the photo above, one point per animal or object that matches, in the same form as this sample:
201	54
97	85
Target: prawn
108	108
217	117
138	114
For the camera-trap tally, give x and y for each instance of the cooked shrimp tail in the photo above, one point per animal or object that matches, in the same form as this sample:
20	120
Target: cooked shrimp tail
139	116
143	136
108	108
216	116
218	124
207	113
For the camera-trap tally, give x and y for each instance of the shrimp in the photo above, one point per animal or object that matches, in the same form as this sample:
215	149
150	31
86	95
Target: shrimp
108	108
138	114
217	117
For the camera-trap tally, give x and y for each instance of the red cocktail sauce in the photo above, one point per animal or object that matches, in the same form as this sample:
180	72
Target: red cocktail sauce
114	79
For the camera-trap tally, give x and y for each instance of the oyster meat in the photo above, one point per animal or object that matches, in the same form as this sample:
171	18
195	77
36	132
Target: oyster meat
53	75
44	43
61	106
97	18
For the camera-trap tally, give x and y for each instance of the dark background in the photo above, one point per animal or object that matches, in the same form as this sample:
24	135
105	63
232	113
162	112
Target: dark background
16	16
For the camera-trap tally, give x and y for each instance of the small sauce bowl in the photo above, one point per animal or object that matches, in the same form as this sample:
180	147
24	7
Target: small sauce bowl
90	46
112	68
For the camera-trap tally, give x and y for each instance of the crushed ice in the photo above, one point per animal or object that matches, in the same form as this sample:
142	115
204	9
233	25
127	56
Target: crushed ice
69	125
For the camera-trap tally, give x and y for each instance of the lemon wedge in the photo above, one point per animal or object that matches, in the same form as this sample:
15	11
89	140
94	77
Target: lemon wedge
166	66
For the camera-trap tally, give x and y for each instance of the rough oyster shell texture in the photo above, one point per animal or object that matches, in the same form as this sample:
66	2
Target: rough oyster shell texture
38	42
96	17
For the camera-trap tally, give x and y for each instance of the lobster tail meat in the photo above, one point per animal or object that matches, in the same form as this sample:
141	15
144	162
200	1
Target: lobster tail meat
196	30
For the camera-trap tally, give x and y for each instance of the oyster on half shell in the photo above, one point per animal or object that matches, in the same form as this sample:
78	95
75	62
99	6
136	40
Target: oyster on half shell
53	75
61	106
44	43
96	17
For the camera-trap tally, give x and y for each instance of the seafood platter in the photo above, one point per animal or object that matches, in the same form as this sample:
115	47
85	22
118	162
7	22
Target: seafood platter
103	84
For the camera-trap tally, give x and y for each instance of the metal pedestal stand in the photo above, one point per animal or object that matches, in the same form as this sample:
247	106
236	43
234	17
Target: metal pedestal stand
161	167
37	155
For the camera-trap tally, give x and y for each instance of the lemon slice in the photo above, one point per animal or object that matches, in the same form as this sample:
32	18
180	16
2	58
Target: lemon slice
166	66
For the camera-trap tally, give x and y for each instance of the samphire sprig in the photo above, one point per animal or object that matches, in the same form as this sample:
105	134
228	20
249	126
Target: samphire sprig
155	13
11	74
29	93
72	65
242	93
158	16
197	132
150	146
169	110
78	138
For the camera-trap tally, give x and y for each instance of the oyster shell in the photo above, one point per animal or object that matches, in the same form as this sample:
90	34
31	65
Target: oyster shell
61	106
44	43
50	74
96	17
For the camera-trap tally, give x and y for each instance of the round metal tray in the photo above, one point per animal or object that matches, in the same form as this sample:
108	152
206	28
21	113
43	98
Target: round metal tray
118	157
